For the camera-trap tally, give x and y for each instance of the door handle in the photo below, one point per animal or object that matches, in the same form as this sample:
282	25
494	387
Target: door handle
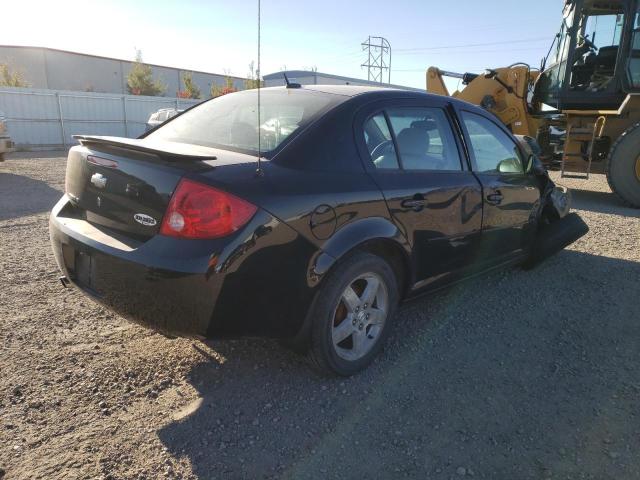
416	203
495	198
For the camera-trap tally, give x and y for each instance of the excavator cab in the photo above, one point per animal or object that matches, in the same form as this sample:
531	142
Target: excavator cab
594	60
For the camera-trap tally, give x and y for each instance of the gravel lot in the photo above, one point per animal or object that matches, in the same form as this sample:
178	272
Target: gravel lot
515	375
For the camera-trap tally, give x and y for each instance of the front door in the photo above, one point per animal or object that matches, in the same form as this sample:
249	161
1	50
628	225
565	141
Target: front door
432	196
510	196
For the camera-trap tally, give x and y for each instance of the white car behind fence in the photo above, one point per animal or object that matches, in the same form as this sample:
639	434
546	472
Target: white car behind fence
6	145
161	116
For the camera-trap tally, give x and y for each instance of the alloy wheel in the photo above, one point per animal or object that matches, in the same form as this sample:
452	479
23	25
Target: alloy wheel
359	316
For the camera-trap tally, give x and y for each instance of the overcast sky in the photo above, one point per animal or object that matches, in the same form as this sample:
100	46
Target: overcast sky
221	36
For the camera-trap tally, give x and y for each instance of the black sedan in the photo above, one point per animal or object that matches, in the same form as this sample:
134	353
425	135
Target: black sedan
309	221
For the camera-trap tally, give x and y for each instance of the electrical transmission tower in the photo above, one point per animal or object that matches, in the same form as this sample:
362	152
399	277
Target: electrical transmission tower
378	58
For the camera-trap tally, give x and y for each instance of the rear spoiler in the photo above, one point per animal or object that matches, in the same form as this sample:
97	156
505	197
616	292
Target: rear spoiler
166	150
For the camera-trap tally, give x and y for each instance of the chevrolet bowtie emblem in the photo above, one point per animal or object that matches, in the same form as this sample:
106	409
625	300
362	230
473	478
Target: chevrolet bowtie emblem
99	180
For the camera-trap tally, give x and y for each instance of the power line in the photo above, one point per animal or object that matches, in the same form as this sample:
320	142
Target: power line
405	51
346	57
430	54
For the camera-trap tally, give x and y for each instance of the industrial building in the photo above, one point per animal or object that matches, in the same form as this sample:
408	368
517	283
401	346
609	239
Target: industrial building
48	68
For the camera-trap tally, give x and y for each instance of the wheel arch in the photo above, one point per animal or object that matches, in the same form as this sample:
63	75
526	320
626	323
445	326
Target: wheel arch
395	255
376	235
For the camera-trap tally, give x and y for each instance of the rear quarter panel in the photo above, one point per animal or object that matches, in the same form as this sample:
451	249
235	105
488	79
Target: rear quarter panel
318	187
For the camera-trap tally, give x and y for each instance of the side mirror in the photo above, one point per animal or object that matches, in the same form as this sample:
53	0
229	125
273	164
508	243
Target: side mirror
510	165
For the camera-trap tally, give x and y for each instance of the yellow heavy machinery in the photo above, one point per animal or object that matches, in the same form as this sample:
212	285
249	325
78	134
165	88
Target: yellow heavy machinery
586	95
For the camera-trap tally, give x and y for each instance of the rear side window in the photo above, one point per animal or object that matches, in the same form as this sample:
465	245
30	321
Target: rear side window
494	151
425	139
380	143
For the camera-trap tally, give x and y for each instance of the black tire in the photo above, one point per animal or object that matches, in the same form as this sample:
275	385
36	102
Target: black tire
621	164
322	351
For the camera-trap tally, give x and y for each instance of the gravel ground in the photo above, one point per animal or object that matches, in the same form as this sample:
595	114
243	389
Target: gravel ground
513	375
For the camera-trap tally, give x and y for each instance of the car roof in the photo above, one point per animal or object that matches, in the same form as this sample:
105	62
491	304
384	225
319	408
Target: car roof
351	90
366	93
344	90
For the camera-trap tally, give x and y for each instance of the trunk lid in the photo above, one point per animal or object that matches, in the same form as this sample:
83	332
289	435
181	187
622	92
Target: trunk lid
125	184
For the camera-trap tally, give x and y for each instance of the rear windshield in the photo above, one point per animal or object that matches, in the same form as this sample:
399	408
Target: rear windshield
231	121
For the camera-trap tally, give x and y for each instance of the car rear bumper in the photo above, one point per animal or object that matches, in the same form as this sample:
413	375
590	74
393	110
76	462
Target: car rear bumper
171	293
202	288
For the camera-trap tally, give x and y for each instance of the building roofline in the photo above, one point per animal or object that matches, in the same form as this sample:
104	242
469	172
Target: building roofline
291	74
281	73
120	60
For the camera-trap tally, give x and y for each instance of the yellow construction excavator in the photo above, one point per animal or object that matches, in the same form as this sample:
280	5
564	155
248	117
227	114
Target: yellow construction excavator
583	104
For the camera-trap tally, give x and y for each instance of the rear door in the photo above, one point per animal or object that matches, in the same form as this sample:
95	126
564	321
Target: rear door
510	196
416	159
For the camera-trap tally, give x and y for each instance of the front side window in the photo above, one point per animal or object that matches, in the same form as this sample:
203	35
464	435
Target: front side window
425	139
231	121
493	150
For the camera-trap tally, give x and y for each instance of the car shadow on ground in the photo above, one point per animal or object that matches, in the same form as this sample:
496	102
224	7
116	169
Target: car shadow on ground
493	376
23	196
601	202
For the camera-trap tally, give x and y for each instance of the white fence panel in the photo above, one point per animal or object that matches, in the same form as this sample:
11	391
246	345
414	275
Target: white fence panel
183	104
109	128
76	107
17	103
34	133
49	118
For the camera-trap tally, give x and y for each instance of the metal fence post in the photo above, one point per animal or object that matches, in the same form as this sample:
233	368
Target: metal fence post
124	115
64	135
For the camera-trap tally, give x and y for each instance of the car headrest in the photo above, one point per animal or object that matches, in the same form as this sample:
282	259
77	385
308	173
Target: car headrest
413	141
428	124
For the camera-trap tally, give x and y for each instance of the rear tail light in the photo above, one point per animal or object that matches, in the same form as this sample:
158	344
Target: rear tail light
200	211
101	162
